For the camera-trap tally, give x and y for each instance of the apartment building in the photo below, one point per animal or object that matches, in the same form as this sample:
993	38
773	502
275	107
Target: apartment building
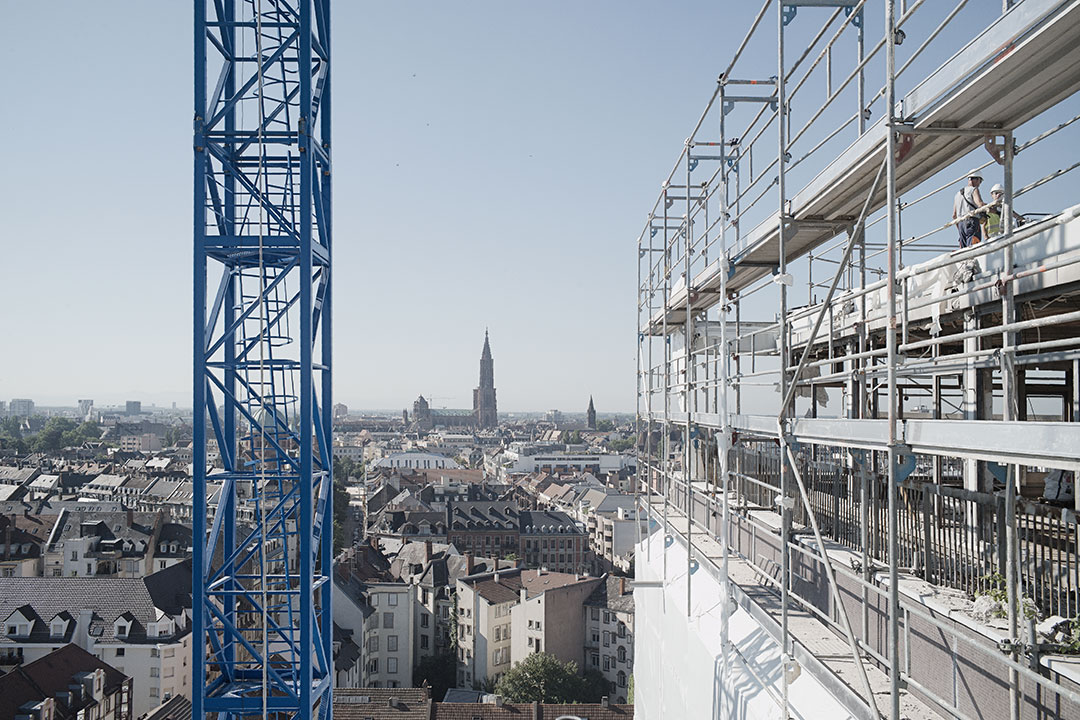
609	634
67	684
507	615
484	623
138	626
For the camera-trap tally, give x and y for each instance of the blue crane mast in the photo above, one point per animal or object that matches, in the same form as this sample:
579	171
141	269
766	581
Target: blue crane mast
262	625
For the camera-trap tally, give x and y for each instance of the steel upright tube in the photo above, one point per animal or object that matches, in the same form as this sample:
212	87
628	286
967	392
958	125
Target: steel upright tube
785	513
890	340
1010	411
688	391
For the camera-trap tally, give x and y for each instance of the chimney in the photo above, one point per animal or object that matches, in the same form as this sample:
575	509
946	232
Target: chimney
468	563
622	586
496	576
536	710
130	517
427	550
604	702
393	702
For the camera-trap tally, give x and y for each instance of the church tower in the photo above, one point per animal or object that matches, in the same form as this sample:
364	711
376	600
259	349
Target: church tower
590	415
485	410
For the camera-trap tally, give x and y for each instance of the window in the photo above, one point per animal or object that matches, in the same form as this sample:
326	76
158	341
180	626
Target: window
119	652
595	613
392	600
622	654
498	633
373	643
596	637
423	642
622	630
607	663
373	666
622	679
424	619
155	672
607	638
154	652
391	665
391	643
74	554
9	572
388	619
374	601
58	572
596	659
607	617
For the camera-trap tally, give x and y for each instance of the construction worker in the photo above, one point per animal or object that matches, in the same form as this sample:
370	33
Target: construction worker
966	202
993	213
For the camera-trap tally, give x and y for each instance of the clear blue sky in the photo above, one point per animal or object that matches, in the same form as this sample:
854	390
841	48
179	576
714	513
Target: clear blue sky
494	163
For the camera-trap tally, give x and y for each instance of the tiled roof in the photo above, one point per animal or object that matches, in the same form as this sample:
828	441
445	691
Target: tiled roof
374	704
49	675
538	581
507	589
176	708
526	711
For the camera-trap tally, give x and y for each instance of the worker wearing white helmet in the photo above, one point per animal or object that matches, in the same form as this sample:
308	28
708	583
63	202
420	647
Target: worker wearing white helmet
993	215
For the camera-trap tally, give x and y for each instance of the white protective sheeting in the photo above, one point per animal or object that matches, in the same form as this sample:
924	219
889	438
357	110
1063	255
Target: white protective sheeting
679	669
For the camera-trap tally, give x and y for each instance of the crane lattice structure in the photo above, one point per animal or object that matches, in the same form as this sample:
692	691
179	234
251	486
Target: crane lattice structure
262	632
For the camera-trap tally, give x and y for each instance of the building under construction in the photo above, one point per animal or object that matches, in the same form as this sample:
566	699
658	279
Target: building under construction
857	439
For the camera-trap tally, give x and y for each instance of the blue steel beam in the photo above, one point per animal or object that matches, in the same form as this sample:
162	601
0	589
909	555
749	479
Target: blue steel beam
262	622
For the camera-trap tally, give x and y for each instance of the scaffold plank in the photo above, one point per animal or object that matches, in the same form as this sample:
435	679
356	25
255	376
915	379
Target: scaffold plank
1023	63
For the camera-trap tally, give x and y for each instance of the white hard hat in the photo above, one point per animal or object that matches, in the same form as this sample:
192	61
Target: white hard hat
997	188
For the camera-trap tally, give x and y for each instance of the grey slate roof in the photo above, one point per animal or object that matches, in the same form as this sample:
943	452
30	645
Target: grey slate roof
607	595
106	597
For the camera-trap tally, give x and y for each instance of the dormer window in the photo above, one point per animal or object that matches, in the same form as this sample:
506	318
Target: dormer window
57	629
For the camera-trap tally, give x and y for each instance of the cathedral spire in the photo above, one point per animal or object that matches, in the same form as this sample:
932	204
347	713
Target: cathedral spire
484	405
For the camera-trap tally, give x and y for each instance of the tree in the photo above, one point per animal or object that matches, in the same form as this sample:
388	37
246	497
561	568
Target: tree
594	686
51	437
541	678
11	435
605	425
439	672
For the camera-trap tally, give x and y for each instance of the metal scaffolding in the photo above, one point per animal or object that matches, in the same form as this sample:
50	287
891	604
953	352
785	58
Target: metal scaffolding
785	186
262	624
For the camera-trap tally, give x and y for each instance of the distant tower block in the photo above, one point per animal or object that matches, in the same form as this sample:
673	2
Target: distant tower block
484	406
590	415
86	409
133	407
